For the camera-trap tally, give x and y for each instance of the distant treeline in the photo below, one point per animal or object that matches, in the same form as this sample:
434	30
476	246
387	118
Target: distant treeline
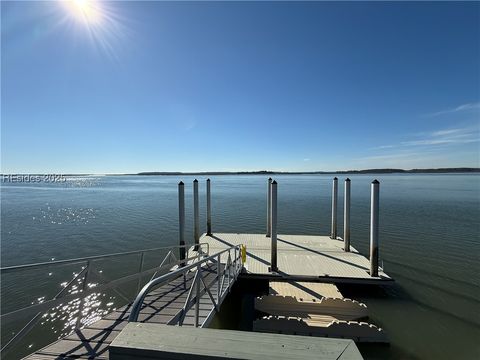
367	171
267	172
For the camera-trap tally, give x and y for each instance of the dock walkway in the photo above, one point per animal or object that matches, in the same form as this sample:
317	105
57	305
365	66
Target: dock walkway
160	306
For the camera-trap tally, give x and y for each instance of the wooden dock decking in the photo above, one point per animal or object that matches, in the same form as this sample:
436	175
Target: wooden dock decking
159	307
300	257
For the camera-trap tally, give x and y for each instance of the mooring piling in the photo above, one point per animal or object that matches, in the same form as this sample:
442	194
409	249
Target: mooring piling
209	209
273	226
333	233
196	213
181	219
346	216
269	206
374	212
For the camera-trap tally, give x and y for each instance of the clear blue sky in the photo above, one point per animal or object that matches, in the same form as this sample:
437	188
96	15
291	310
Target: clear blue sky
150	86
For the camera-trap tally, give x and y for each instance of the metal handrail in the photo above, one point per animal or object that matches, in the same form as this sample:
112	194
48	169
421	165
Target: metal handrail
96	257
37	309
236	264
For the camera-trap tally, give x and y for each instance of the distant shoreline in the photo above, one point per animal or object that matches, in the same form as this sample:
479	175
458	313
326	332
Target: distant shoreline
366	171
267	172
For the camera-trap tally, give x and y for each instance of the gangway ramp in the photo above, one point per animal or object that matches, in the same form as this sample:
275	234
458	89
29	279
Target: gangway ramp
187	296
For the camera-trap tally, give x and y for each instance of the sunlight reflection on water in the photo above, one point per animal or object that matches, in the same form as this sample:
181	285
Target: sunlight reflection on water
65	215
62	319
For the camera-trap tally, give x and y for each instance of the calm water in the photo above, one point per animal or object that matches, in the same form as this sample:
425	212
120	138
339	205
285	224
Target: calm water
429	242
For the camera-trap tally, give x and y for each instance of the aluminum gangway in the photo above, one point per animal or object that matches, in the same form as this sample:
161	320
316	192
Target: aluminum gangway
188	294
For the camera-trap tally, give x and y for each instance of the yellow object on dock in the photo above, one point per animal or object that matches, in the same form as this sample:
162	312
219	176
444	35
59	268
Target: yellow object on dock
244	254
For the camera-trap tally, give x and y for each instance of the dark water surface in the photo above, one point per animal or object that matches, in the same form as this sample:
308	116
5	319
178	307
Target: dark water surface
429	242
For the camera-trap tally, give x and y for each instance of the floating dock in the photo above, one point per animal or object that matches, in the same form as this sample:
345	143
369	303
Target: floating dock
300	258
300	272
324	263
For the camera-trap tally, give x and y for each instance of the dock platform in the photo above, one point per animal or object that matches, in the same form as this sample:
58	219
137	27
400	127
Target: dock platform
309	258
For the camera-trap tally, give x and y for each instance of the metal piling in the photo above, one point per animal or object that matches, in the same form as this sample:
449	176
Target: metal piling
374	215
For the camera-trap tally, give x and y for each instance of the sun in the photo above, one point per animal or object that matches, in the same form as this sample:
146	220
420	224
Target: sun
99	22
88	11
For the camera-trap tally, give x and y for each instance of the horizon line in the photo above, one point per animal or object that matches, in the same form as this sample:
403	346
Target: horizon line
268	172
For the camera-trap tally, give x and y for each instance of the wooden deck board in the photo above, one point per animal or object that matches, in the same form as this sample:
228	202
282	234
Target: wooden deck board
88	334
105	324
73	348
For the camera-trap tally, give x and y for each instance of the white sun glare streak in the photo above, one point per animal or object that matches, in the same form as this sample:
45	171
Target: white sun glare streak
88	11
96	19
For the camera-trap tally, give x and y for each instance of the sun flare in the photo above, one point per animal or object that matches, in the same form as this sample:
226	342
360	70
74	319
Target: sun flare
100	22
88	11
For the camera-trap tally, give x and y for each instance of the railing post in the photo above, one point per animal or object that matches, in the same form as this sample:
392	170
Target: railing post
235	263
140	270
227	269
209	209
333	234
196	219
374	212
269	206
197	291
346	216
218	279
184	275
273	226
181	220
239	259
